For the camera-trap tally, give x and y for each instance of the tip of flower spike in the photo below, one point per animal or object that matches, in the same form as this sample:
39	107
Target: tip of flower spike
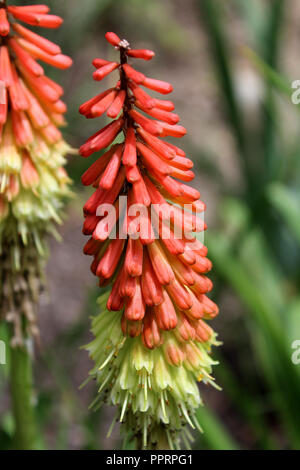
124	43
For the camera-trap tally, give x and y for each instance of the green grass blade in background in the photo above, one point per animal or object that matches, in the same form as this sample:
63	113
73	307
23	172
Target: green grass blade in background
287	205
285	384
250	407
283	393
227	264
293	326
215	436
274	78
276	14
261	266
254	12
212	20
272	152
266	33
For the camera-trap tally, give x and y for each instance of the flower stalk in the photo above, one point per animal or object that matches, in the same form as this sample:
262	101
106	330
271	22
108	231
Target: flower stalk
21	383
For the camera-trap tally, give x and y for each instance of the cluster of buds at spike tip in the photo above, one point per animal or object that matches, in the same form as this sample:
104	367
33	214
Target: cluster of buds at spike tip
33	182
159	287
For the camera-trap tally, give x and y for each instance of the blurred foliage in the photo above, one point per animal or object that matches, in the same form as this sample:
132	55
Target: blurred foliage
255	246
256	250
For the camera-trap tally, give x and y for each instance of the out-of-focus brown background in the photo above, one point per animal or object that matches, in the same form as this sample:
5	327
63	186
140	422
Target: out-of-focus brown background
231	64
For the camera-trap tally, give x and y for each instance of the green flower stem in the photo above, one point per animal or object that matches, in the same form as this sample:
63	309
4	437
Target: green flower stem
22	399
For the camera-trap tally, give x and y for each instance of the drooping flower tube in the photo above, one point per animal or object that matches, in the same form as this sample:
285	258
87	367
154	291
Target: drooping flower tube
152	343
33	182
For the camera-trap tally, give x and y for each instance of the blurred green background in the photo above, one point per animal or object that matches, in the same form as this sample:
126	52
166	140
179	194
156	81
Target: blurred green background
232	64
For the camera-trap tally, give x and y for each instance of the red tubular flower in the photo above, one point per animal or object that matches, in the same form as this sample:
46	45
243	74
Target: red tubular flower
4	24
141	53
159	279
36	39
35	15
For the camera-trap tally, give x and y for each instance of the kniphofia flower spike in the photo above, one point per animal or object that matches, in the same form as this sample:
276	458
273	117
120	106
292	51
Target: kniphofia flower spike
152	343
33	182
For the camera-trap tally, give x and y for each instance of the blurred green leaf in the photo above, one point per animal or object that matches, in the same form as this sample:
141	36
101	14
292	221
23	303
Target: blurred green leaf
285	383
262	268
255	14
293	322
236	218
272	151
274	78
215	435
249	405
212	20
287	204
229	266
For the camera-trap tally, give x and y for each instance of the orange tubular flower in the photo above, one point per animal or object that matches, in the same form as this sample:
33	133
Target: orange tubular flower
159	284
33	183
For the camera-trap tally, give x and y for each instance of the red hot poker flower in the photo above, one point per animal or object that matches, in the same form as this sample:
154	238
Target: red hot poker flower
152	342
157	280
33	183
